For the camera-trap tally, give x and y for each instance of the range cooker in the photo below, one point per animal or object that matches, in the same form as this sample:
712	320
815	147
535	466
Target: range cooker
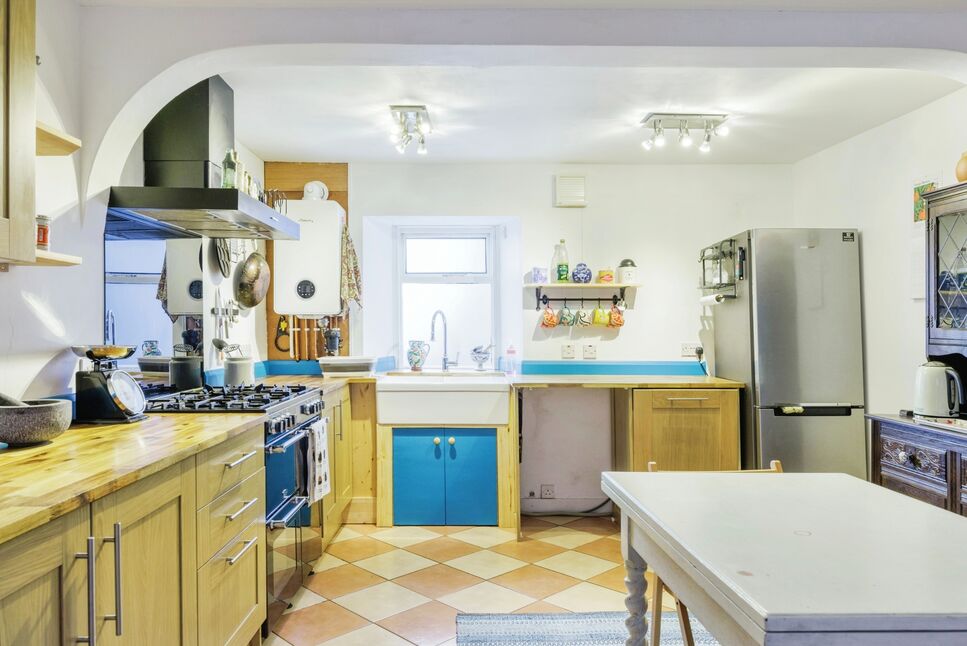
293	524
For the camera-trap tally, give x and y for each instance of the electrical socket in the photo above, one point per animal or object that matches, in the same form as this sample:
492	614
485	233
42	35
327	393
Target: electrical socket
547	491
688	349
568	351
590	351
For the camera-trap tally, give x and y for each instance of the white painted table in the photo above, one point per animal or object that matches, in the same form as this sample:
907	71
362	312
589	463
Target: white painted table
794	559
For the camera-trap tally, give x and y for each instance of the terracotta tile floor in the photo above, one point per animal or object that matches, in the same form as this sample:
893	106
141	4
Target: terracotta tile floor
405	585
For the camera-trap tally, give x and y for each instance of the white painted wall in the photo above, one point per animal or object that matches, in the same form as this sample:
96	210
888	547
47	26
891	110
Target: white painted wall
45	310
867	182
658	215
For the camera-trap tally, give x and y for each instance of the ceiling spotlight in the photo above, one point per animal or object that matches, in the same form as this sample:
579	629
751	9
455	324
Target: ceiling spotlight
722	130
707	124
706	144
412	122
659	134
684	137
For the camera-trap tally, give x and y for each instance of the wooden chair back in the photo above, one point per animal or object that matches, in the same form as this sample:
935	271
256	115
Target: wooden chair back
775	466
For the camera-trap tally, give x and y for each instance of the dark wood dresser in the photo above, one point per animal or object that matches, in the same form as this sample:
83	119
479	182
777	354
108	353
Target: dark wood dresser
929	464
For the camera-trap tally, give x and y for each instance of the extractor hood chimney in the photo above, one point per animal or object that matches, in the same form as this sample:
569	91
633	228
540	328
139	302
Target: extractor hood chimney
182	197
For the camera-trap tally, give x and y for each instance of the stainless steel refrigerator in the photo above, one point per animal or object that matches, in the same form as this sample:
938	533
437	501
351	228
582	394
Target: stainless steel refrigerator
792	331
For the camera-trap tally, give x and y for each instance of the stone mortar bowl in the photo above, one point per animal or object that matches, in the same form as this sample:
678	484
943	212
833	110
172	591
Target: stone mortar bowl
41	420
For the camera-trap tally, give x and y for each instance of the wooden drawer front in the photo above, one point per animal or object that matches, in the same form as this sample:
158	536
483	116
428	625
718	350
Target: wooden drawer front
909	457
222	467
932	494
230	513
231	594
687	398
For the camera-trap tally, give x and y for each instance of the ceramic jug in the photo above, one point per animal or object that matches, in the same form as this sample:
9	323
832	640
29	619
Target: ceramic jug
417	353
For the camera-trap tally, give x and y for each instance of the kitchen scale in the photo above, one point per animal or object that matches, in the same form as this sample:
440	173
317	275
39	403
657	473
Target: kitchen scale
105	394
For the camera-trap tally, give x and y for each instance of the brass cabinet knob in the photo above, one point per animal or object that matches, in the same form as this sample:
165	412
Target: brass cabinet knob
452	441
436	441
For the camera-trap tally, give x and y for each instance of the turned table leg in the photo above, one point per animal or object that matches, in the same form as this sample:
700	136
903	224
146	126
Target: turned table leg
636	602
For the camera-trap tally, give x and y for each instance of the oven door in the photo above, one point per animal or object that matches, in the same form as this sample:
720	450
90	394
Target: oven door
292	526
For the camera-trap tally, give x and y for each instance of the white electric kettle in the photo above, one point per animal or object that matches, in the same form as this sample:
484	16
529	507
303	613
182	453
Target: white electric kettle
939	392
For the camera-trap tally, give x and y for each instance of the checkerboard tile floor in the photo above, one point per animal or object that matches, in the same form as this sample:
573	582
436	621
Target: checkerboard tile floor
405	585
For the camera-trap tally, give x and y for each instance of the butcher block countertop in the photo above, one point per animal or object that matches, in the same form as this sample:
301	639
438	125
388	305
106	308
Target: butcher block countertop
623	381
90	461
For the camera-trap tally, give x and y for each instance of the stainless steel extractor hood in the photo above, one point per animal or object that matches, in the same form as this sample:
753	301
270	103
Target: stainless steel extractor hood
181	197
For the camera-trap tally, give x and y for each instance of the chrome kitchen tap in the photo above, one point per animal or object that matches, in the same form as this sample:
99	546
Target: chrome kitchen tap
446	361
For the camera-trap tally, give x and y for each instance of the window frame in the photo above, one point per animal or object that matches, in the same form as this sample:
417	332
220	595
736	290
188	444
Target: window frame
401	233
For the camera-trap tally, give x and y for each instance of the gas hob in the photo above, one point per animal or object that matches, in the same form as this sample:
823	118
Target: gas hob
229	399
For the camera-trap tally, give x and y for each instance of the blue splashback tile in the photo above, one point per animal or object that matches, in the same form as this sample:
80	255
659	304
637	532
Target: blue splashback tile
683	368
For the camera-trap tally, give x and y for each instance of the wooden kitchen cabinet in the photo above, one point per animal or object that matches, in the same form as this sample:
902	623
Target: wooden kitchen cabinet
232	590
445	476
923	462
336	503
148	529
43	590
681	429
17	131
343	479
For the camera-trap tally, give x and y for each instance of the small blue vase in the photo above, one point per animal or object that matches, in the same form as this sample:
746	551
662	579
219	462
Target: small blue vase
581	273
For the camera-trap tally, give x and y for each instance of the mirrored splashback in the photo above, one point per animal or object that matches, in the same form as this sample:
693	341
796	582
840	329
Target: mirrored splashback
153	294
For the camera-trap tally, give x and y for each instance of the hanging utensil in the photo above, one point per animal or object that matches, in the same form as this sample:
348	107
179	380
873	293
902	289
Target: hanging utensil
251	280
223	251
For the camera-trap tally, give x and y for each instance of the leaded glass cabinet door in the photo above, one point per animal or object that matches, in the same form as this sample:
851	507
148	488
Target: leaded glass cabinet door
947	270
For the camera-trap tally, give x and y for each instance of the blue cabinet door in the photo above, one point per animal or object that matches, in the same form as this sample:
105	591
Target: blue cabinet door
418	477
471	476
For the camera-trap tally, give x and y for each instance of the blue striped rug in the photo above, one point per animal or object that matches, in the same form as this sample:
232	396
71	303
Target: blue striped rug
578	629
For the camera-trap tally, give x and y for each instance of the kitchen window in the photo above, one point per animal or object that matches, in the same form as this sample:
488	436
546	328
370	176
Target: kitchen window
452	269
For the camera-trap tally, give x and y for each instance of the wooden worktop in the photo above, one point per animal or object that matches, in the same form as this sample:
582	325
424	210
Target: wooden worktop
623	381
89	461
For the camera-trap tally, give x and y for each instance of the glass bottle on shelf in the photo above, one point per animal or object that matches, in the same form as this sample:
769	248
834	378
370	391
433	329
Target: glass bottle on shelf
560	264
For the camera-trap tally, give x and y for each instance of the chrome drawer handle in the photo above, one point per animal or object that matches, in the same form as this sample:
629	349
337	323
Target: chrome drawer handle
232	560
116	617
245	507
232	465
91	570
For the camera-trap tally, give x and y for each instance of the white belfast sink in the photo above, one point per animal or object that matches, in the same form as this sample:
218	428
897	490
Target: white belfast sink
439	400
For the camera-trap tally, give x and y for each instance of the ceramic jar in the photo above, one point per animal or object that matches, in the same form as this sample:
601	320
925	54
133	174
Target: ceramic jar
416	354
581	273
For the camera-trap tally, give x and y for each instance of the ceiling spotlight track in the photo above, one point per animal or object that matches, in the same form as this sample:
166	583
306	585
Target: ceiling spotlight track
411	122
712	125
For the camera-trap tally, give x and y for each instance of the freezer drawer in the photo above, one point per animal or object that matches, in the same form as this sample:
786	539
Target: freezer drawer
813	443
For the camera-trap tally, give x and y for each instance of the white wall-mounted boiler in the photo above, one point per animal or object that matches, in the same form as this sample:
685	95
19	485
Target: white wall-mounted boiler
306	272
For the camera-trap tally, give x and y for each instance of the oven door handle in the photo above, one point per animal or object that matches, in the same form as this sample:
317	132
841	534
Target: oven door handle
292	438
297	502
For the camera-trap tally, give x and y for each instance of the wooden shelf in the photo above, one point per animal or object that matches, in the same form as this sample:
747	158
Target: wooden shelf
52	142
580	285
47	259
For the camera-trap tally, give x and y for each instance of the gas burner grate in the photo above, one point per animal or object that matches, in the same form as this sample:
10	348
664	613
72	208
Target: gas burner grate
226	398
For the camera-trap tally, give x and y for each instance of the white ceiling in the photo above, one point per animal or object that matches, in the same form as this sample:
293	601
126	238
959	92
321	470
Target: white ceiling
789	5
565	114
